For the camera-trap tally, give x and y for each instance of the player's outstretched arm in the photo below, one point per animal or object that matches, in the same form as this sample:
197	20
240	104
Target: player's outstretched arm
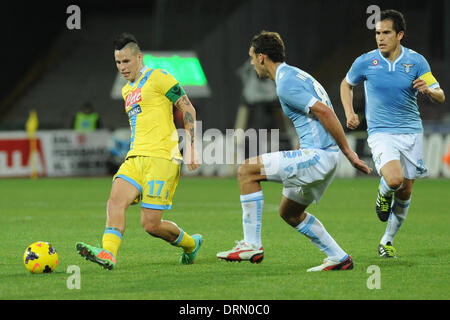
347	101
329	120
189	117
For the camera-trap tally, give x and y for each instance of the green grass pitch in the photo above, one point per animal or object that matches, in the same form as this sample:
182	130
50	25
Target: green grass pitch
63	211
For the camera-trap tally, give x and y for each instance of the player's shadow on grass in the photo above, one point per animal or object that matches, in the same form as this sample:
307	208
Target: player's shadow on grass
393	262
442	254
435	256
26	273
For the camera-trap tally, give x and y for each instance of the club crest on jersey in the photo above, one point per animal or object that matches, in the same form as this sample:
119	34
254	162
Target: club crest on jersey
133	98
407	67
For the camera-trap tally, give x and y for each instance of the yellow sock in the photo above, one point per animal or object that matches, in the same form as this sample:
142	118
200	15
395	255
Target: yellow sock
185	241
111	240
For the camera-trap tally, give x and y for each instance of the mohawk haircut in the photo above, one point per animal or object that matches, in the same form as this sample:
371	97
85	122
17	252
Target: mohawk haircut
126	40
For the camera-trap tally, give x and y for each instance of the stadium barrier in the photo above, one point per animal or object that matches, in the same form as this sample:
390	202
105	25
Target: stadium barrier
70	153
58	153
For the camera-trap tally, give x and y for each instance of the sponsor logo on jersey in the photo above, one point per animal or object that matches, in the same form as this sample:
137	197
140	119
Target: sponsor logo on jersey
133	98
134	111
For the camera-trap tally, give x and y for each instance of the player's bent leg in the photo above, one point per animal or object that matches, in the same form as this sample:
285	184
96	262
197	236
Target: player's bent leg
152	222
293	213
392	179
292	210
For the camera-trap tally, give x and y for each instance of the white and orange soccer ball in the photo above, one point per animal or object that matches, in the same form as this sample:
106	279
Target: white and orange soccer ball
40	257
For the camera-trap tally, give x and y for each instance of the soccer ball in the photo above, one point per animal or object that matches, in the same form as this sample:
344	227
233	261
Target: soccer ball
40	257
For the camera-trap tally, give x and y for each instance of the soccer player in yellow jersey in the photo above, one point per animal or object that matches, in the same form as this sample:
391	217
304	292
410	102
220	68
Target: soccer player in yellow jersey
151	169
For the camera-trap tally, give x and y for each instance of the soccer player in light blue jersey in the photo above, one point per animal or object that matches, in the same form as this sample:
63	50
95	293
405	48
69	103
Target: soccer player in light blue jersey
305	173
392	76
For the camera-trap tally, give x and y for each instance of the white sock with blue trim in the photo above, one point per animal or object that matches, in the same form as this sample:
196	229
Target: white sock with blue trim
252	205
398	215
313	229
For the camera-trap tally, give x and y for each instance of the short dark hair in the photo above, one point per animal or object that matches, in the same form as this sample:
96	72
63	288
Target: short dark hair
271	44
397	18
123	39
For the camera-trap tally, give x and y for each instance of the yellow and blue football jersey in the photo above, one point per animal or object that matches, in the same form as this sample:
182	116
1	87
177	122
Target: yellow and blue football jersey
149	106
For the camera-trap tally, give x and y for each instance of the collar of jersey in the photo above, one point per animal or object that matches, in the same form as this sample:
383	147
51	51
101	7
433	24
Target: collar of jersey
392	65
143	70
278	70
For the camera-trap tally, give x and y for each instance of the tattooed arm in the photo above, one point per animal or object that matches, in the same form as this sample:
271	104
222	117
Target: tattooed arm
189	115
189	118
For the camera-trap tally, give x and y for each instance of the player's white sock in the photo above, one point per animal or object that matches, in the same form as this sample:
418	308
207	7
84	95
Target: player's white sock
385	190
312	228
396	218
252	206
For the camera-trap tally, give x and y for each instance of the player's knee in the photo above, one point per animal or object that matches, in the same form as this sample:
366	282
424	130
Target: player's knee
243	170
243	173
394	181
248	170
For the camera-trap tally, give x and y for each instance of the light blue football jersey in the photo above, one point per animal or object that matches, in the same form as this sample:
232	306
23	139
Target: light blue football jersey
390	99
298	92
